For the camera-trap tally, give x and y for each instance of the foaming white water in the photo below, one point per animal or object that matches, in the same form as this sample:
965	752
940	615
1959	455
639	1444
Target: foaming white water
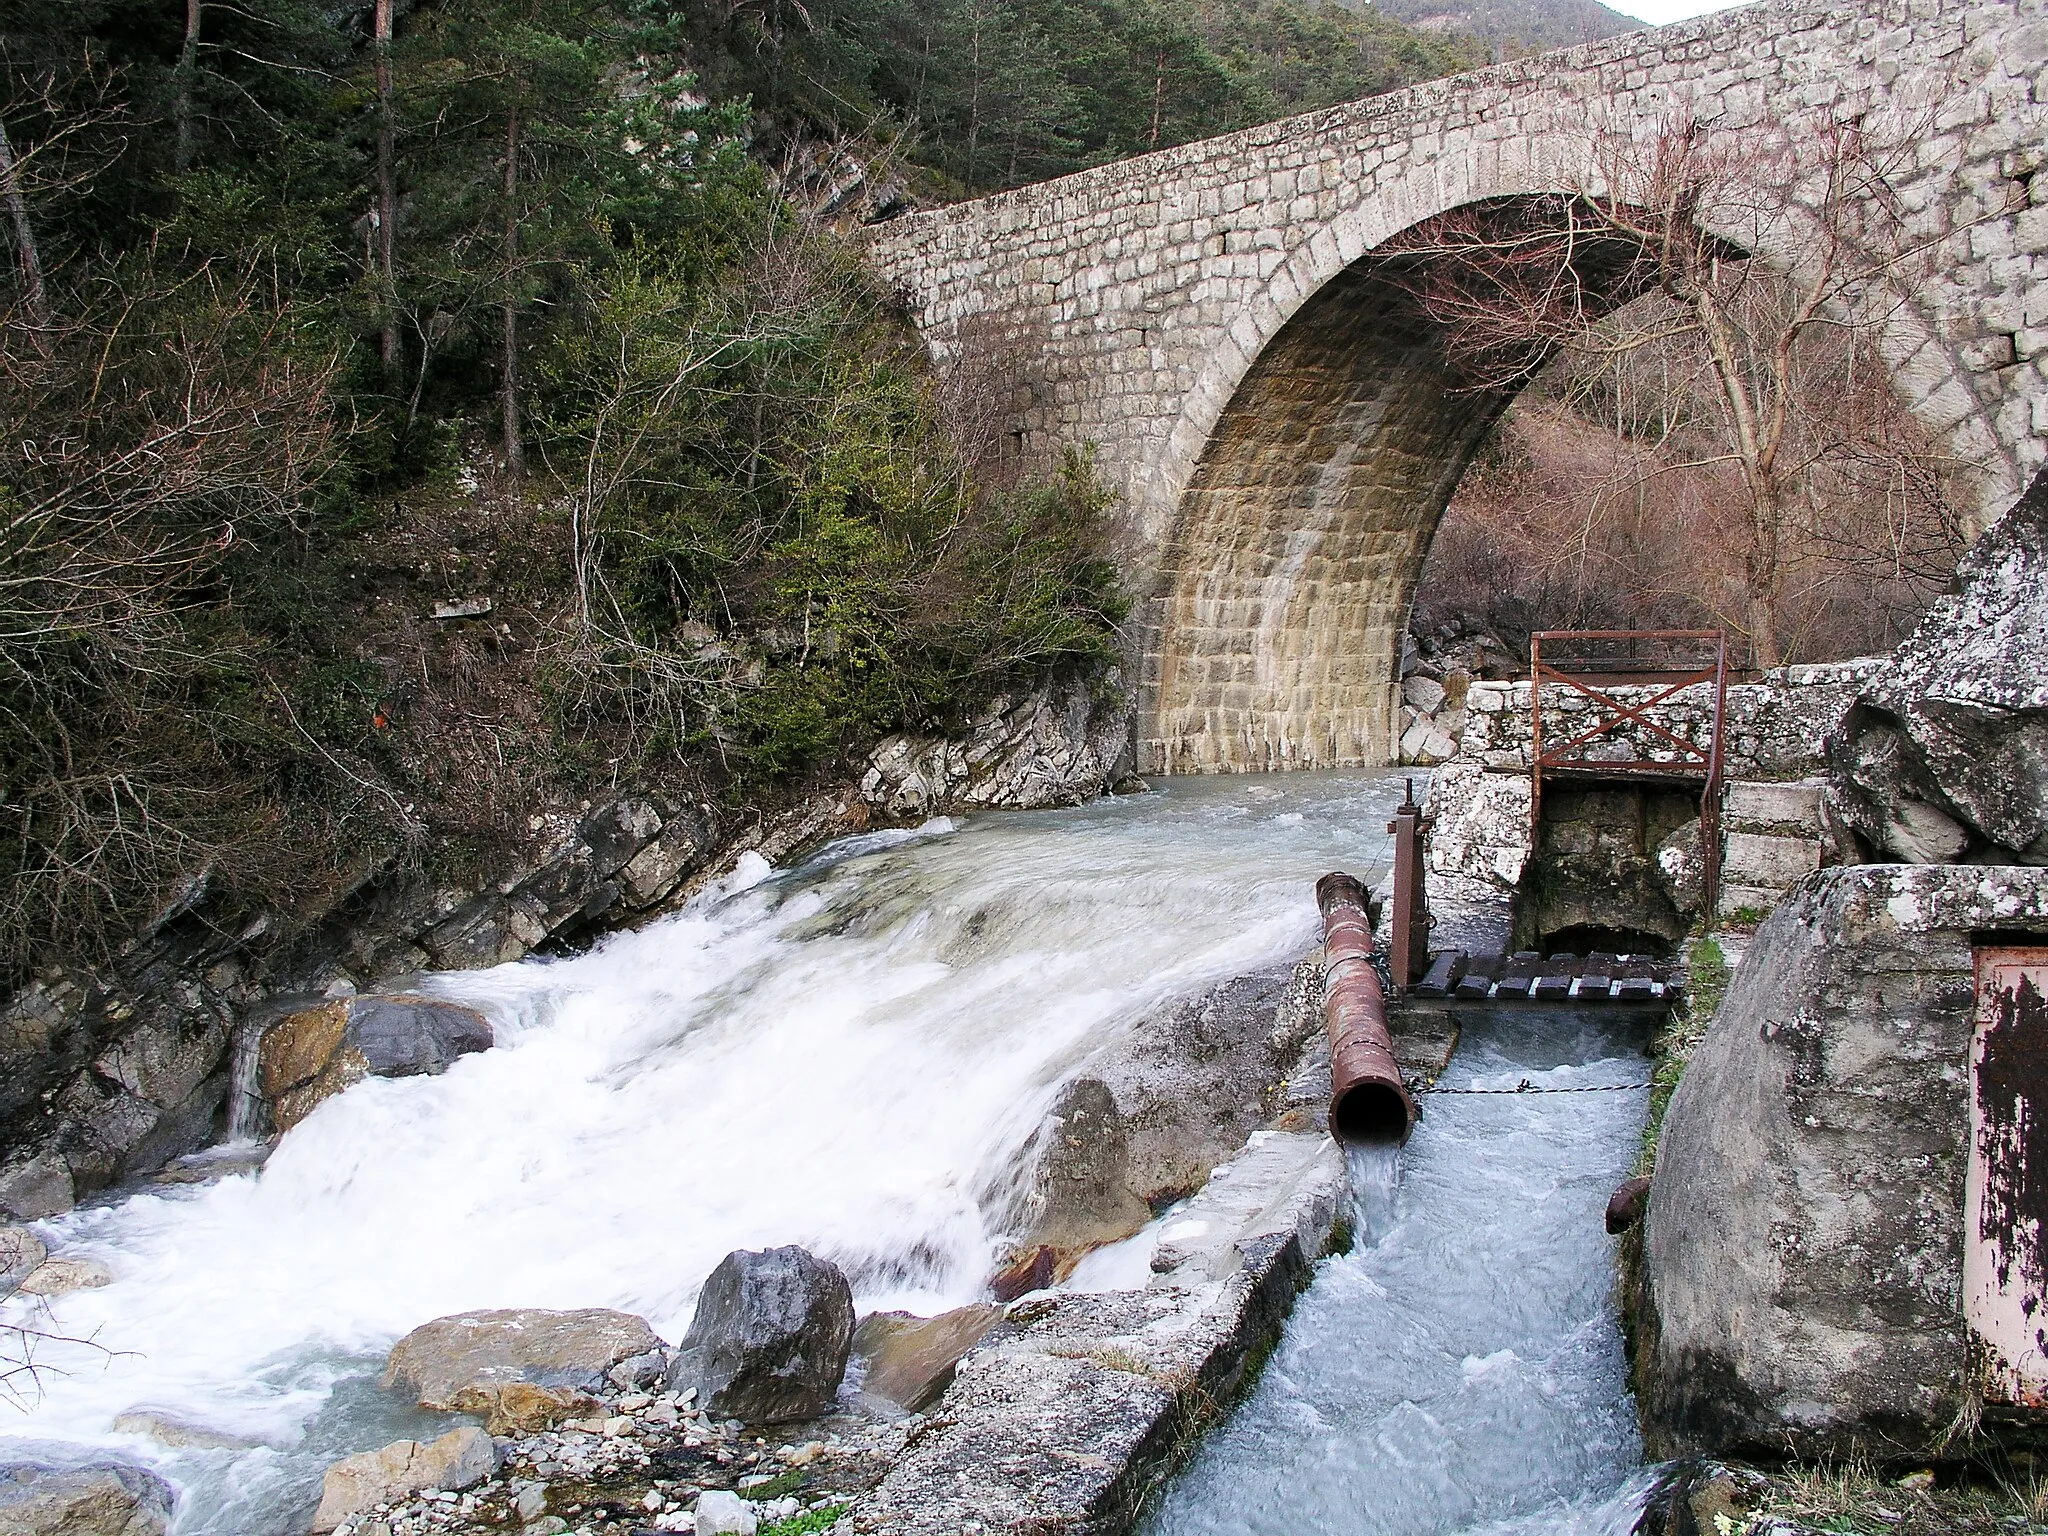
1461	1369
1374	1176
847	1055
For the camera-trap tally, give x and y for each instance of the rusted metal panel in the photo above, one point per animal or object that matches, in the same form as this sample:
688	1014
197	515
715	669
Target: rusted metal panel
2005	1195
1408	937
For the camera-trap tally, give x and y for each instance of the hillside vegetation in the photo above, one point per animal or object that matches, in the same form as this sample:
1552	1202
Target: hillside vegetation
1511	28
422	413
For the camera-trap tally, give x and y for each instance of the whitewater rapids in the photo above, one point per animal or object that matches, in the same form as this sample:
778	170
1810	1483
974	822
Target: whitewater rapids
847	1055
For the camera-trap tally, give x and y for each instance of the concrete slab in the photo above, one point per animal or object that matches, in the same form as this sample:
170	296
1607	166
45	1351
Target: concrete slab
1762	859
1755	807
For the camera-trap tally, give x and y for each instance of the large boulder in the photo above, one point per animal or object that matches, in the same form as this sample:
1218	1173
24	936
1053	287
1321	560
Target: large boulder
310	1056
21	1255
1155	1109
770	1338
1081	1193
113	1498
460	1363
1193	1079
1803	1247
60	1277
180	1434
458	1459
37	1186
1944	757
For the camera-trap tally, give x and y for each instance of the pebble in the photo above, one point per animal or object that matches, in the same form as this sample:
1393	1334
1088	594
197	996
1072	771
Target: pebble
616	1447
725	1514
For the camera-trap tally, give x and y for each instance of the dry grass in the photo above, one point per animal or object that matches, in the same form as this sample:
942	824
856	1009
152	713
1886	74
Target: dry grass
1851	1499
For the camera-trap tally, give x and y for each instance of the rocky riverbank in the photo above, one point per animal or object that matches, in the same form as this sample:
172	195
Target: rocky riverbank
1804	1280
109	1075
1063	1408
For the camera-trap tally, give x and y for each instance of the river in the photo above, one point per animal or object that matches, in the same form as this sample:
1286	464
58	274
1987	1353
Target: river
848	1055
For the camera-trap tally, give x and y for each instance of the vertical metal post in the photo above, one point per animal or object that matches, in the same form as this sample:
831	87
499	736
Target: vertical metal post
1408	939
1535	740
1710	799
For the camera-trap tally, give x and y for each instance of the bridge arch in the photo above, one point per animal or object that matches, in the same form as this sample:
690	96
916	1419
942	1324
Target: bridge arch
1285	585
1282	433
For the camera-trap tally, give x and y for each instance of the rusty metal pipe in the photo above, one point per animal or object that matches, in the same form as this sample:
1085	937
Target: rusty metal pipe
1369	1104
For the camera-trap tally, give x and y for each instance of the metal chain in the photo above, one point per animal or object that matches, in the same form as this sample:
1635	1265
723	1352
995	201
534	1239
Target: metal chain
1525	1086
1383	967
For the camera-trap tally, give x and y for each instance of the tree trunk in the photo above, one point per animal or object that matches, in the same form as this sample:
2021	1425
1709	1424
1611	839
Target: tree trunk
974	105
1158	94
32	293
515	451
387	189
1764	578
188	75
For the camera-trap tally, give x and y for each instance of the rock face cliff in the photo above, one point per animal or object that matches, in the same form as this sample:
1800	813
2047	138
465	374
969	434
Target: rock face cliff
1061	745
1944	757
1803	1253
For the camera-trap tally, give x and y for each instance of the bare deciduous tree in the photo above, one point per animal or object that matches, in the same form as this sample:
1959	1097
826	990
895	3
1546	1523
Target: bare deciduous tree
187	81
34	297
162	422
1743	285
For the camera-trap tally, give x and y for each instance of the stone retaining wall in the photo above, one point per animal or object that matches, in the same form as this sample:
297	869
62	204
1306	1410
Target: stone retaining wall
1619	856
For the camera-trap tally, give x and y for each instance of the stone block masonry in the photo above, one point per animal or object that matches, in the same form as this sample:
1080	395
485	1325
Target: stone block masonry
1627	857
1281	431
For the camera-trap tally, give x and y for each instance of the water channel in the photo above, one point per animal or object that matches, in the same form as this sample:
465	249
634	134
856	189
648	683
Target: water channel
1461	1369
849	1055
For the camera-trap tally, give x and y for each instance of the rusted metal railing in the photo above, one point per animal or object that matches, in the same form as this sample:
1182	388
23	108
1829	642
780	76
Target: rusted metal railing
1685	760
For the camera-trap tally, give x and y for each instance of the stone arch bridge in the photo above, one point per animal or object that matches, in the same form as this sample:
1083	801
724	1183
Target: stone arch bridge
1283	435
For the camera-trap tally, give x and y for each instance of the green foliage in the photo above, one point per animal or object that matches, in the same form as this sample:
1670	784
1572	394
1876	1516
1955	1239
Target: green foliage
1708	974
994	93
808	1523
780	550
